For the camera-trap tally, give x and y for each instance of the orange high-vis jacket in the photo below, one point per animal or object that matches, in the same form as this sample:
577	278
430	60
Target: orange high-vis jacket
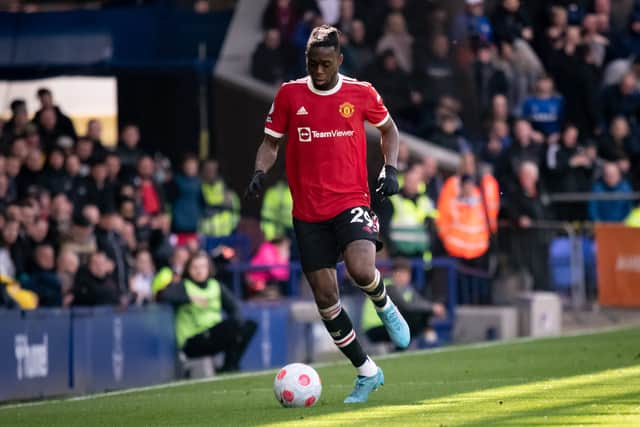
462	223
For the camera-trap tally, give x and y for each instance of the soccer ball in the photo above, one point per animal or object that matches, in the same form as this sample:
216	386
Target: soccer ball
297	385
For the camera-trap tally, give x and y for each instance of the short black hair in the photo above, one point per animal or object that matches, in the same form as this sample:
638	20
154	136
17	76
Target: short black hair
43	91
324	36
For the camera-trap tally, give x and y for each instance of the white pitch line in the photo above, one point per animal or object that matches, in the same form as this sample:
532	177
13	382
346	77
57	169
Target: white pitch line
424	352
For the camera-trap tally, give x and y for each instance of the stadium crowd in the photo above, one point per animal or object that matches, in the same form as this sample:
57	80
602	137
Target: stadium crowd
547	104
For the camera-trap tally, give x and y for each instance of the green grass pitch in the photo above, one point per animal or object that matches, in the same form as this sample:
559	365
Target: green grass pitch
588	380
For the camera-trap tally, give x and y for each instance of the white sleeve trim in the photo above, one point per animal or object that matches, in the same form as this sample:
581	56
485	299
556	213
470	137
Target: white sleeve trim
273	133
383	121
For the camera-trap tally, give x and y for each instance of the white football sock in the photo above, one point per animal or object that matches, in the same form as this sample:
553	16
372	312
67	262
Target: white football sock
368	368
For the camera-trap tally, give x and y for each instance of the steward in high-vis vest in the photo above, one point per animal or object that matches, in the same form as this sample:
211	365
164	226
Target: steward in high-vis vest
463	215
222	205
276	211
407	229
201	327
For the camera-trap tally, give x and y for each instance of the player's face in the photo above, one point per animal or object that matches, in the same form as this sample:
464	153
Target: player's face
322	66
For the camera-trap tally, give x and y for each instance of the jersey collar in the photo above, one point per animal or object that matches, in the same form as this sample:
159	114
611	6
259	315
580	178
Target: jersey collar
331	91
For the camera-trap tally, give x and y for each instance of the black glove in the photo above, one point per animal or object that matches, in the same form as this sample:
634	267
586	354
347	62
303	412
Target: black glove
256	185
387	183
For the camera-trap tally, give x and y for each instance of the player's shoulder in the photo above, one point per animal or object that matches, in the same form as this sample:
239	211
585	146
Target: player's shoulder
292	84
355	83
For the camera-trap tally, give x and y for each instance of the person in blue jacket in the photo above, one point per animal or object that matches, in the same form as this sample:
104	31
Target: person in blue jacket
545	109
611	182
186	201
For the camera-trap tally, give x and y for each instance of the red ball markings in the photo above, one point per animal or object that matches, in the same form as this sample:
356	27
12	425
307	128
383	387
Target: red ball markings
281	374
310	401
304	380
287	395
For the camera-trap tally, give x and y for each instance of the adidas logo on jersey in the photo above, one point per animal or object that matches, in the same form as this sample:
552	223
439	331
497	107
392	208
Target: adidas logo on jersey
302	111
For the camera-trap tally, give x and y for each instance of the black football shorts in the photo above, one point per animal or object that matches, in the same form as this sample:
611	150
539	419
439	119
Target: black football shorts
321	243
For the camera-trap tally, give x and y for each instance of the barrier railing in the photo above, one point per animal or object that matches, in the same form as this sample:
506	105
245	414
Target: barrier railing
554	255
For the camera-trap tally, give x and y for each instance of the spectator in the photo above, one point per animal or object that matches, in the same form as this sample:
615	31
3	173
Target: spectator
96	189
73	179
8	236
63	124
67	266
610	183
628	43
54	177
347	18
94	134
282	15
114	168
151	192
94	284
129	150
596	42
268	62
109	239
186	201
545	109
524	207
414	307
397	38
395	87
526	146
140	282
43	280
16	126
30	176
447	135
80	239
497	142
277	205
200	302
48	128
432	178
489	79
620	100
434	69
510	22
270	282
617	143
571	172
472	25
360	53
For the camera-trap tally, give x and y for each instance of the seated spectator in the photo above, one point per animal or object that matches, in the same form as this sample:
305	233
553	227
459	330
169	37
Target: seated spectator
628	43
43	280
611	182
268	62
110	240
63	124
397	39
596	42
8	236
200	302
94	135
185	194
94	285
54	177
497	142
30	175
80	239
141	278
432	177
48	128
74	180
271	281
129	150
545	109
416	310
472	25
95	189
433	69
524	207
115	177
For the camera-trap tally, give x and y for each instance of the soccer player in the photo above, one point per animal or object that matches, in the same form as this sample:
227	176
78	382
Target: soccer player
323	116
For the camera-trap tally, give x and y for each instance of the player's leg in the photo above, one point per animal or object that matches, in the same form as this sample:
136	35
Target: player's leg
357	230
324	285
319	254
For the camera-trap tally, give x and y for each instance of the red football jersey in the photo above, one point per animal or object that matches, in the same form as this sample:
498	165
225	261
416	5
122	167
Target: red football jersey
326	158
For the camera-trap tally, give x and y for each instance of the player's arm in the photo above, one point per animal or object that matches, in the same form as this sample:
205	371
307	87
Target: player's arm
265	159
389	143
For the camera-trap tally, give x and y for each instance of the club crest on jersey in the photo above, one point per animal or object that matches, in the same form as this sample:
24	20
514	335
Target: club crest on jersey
346	109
